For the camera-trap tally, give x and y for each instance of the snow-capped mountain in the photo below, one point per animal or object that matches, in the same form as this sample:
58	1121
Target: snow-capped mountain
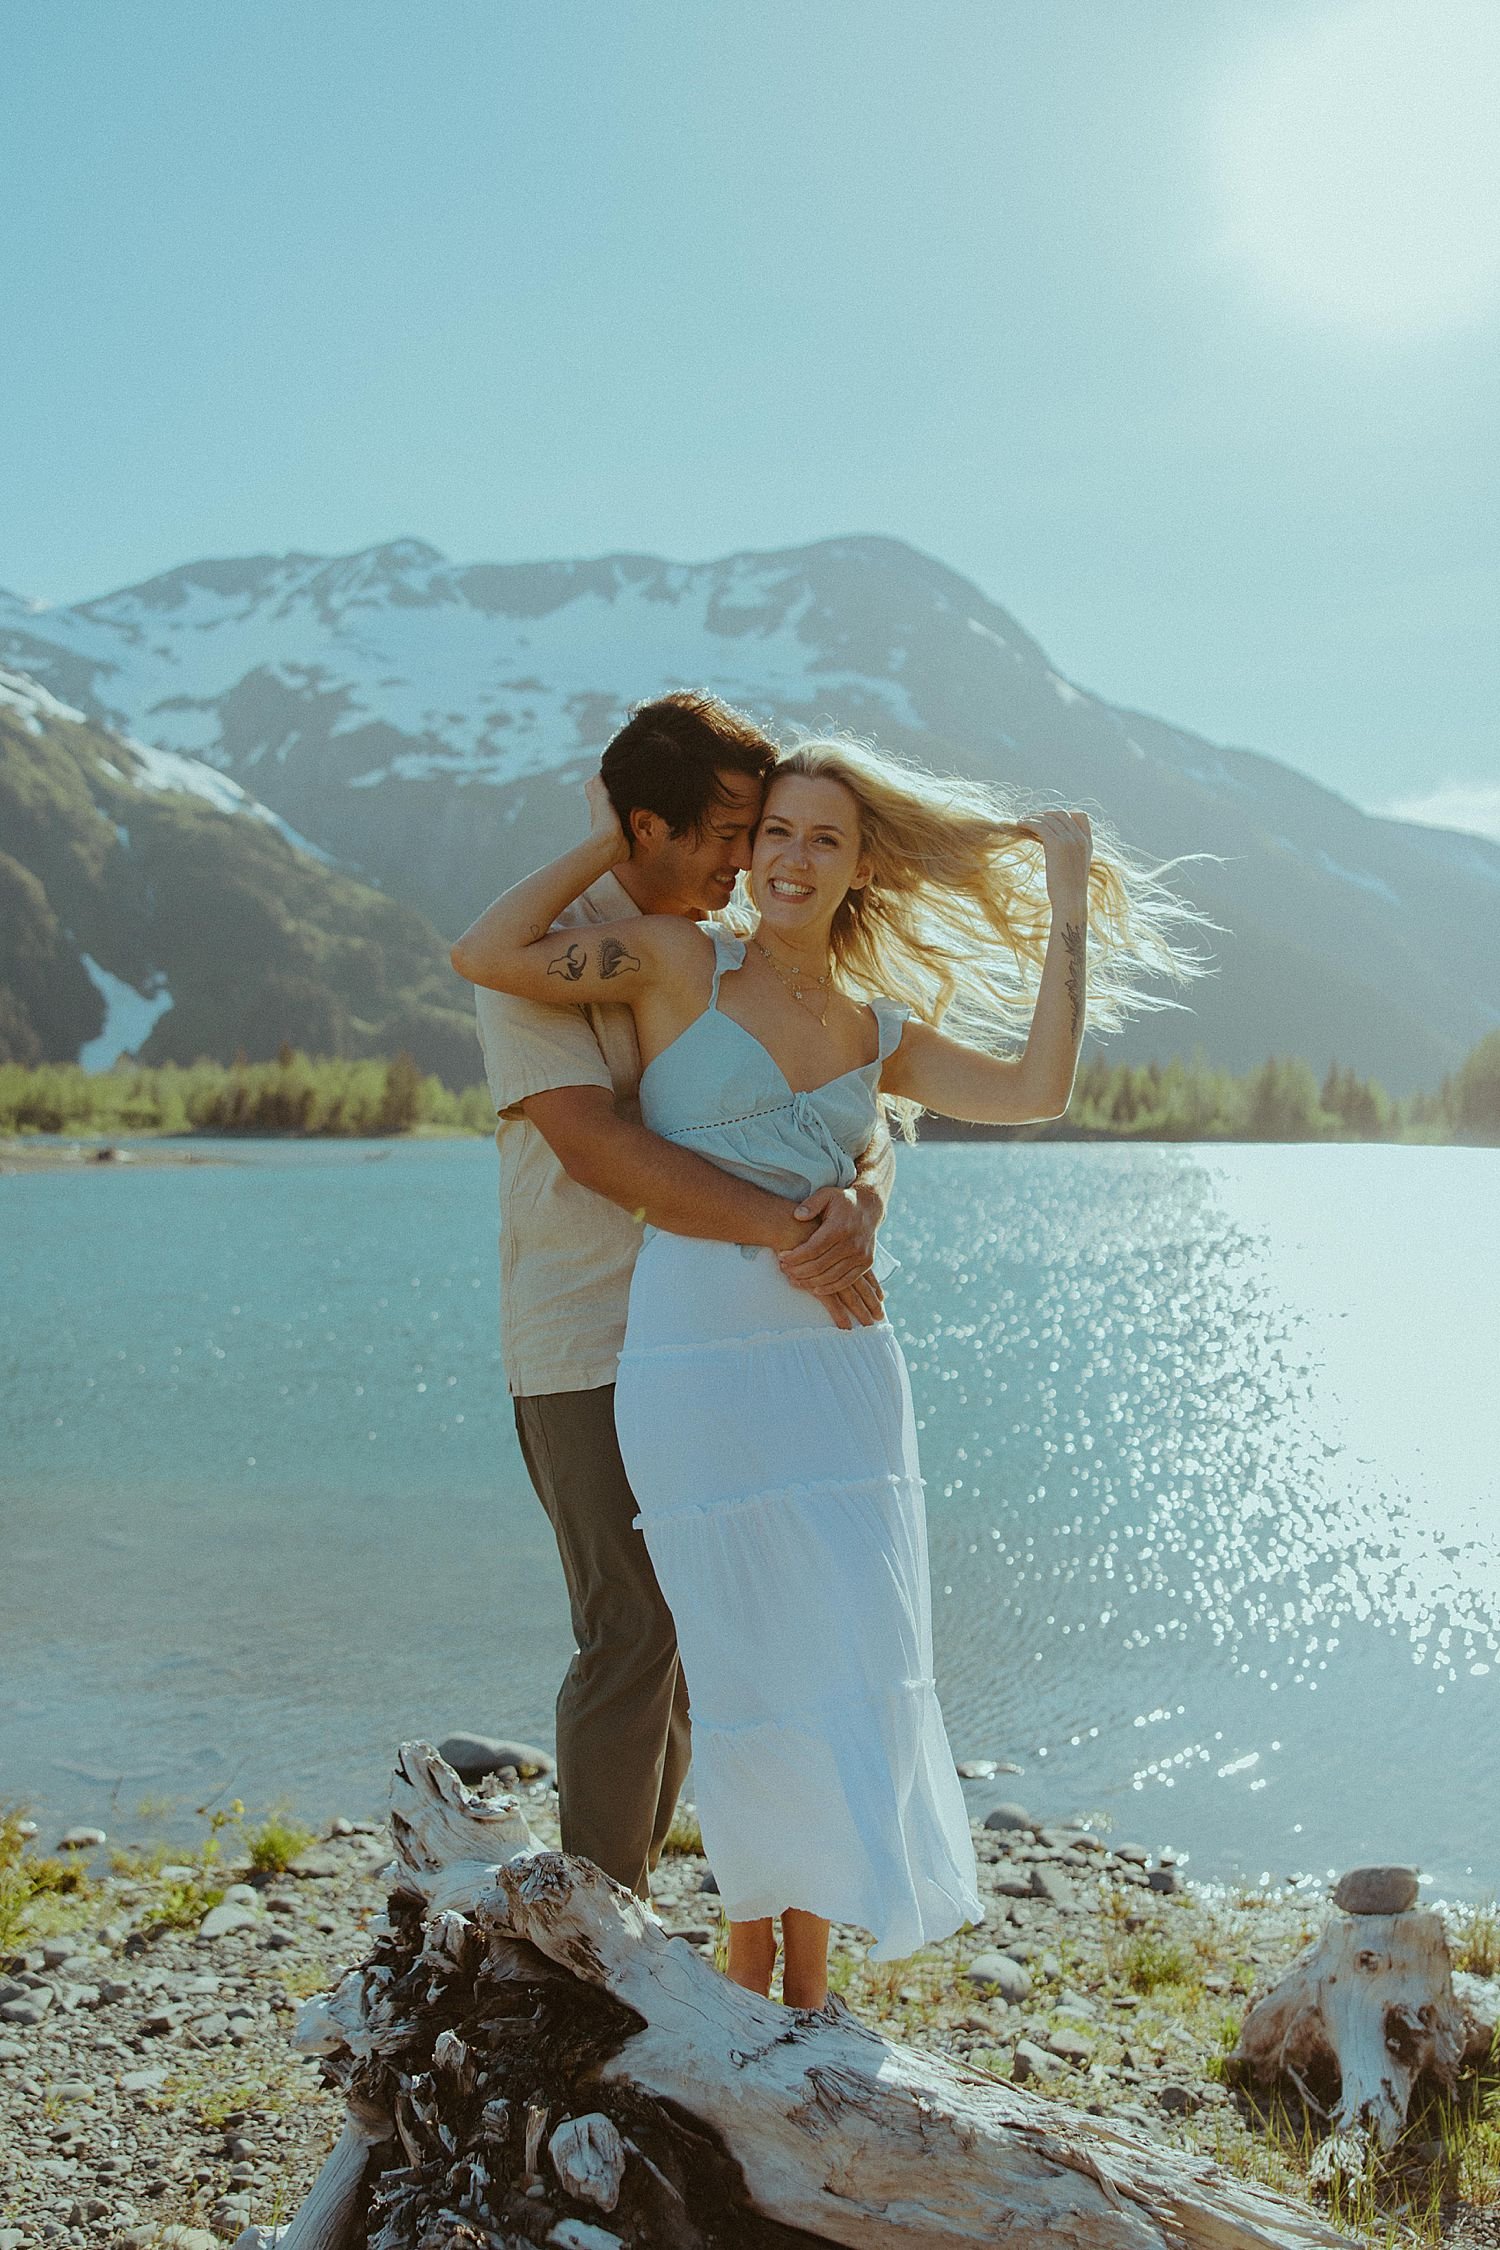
149	905
428	723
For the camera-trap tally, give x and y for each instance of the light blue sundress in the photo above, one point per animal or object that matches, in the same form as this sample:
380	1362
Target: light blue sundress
773	1457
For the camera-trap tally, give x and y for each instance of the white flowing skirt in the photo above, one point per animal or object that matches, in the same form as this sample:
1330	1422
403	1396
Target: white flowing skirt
773	1458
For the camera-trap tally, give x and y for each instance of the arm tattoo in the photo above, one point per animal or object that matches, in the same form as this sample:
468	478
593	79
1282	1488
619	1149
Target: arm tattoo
614	961
570	965
1072	937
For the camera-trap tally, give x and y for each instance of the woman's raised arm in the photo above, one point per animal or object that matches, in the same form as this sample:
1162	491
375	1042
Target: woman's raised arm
958	1081
513	947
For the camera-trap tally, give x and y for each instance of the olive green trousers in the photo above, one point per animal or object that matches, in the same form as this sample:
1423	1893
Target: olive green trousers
623	1740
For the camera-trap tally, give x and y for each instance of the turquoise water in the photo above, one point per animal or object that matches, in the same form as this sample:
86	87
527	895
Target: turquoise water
1212	1440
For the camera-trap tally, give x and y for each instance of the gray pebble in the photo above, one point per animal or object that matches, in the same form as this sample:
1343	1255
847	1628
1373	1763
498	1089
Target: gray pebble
1010	1886
80	1839
1054	1888
223	1921
29	2009
319	1863
996	1972
472	1756
1377	1890
1010	1817
1069	2045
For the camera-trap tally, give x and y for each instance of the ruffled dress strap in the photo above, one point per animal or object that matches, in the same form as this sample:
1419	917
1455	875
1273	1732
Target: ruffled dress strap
729	953
892	1018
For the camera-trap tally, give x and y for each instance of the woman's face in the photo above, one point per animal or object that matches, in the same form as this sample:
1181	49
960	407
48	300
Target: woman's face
807	855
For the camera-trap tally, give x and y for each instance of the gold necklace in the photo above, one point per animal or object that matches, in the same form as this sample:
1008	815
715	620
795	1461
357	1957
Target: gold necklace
793	983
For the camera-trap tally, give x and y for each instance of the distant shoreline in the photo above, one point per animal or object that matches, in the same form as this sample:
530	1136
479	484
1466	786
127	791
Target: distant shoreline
304	1097
111	1152
49	1152
103	1152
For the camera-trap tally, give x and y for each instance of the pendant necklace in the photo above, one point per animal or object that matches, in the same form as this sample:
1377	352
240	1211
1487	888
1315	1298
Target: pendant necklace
793	983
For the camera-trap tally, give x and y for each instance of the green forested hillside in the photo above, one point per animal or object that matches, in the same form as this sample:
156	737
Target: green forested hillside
165	878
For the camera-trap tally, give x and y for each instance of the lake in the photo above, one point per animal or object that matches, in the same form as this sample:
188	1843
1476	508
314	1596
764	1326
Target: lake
1211	1436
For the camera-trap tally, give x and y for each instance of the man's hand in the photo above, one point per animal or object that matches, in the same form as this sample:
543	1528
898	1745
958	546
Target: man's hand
834	1262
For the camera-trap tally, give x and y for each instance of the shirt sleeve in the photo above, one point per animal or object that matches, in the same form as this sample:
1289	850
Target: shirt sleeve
532	1049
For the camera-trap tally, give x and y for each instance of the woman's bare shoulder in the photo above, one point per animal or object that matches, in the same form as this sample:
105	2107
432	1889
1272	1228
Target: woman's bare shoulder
673	940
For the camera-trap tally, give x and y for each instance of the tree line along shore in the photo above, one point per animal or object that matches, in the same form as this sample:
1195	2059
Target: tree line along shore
300	1095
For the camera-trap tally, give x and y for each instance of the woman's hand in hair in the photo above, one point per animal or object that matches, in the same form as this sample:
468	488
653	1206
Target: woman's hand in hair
1068	842
604	821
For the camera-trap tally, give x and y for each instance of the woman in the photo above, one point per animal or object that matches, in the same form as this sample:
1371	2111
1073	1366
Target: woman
773	1454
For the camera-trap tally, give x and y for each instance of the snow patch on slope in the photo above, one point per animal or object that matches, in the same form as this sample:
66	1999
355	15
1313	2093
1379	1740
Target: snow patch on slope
130	1017
19	693
167	770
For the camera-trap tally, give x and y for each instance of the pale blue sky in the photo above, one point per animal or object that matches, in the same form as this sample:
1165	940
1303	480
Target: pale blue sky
1171	322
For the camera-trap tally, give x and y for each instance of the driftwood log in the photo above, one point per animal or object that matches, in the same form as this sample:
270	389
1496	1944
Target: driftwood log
1369	2009
530	2059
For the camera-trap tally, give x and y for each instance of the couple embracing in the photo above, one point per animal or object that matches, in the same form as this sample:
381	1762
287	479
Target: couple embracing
697	1019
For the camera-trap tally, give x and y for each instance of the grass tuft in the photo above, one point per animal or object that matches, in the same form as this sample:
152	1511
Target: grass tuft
38	1895
1149	1962
276	1842
1474	1938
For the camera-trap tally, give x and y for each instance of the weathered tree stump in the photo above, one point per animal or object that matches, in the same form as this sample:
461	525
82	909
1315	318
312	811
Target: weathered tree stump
1370	2008
529	2058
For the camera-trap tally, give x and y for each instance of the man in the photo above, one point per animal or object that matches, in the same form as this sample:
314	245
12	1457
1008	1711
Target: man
578	1175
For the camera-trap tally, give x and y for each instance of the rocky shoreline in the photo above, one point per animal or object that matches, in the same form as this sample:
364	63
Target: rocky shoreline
33	1154
149	2093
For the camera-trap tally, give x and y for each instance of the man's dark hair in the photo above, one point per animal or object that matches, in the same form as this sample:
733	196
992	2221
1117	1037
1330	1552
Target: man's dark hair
669	754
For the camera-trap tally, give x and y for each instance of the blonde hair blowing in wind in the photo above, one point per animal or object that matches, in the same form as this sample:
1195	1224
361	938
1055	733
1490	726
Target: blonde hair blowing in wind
955	918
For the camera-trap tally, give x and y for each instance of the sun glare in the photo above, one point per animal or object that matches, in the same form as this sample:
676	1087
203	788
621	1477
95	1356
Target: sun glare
1359	165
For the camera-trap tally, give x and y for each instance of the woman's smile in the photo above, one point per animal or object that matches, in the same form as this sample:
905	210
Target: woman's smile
806	849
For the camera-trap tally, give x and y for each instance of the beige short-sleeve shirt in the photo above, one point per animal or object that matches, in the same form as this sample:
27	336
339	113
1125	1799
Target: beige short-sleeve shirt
566	1254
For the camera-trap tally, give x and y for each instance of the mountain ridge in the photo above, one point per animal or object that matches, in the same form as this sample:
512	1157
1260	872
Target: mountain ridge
427	723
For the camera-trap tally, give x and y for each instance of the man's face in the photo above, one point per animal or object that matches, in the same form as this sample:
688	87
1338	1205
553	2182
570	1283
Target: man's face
695	875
